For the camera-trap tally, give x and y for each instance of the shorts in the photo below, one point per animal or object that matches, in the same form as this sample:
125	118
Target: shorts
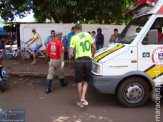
74	52
37	47
83	67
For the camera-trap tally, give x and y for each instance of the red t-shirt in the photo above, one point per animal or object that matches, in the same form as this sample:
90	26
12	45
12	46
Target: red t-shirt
55	47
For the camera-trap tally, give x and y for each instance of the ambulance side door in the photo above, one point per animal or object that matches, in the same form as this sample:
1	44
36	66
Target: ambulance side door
150	51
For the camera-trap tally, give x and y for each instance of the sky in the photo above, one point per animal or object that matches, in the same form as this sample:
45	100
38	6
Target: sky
28	18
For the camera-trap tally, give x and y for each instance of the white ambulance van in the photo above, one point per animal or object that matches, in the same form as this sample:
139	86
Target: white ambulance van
132	68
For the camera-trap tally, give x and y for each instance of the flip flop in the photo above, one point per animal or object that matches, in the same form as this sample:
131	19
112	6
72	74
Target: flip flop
79	104
34	63
85	103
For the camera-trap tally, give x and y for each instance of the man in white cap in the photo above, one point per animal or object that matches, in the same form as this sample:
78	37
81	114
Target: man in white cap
37	39
55	51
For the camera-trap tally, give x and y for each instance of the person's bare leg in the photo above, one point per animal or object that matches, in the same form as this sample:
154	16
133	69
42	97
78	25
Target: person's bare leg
34	57
79	85
84	90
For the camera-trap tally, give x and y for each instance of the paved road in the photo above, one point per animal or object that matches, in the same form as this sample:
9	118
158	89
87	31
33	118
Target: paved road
28	93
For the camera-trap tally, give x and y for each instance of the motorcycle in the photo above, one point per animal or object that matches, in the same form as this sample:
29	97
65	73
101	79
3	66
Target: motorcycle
3	76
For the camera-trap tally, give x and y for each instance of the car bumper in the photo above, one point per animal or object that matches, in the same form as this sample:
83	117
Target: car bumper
106	84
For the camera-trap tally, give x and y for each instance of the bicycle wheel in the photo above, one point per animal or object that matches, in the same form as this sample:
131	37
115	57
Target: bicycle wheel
24	57
7	54
41	56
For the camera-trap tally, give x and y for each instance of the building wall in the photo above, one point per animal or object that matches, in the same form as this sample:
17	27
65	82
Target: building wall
44	30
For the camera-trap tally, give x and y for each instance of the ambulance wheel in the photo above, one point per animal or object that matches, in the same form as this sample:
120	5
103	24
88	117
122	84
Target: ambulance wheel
2	86
133	92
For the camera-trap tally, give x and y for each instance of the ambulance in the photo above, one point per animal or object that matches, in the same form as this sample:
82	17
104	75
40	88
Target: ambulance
132	68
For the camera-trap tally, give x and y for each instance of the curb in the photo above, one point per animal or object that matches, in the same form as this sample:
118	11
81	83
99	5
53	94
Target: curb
34	74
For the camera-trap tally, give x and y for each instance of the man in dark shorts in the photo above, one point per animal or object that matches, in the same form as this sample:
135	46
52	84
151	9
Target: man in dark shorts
82	41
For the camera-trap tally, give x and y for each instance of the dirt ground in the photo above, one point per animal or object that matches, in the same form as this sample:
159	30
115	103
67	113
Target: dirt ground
15	67
26	90
28	93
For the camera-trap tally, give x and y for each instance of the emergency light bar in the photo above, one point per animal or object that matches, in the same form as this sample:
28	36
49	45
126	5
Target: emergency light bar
139	4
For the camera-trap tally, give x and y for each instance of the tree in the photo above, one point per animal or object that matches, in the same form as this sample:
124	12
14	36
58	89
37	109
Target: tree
68	11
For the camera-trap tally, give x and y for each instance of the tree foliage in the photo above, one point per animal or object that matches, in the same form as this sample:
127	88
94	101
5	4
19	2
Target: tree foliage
68	11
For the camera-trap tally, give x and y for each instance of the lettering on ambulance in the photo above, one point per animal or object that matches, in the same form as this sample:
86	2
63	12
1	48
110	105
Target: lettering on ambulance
160	10
156	70
101	56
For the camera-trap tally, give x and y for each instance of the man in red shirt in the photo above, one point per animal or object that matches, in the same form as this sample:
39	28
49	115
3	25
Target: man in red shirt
55	51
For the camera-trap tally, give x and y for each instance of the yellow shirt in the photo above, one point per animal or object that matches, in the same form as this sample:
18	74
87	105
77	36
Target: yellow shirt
38	38
82	42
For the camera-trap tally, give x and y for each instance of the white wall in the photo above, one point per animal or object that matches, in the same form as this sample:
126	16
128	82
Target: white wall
44	30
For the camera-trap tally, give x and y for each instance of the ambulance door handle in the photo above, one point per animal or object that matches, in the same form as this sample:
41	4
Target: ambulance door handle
131	51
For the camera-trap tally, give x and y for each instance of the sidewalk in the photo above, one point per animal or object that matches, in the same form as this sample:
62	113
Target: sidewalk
15	67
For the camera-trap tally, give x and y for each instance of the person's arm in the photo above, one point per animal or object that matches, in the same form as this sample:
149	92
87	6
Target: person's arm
94	49
34	39
72	46
102	41
62	56
71	52
110	40
28	40
61	49
95	39
45	44
47	58
47	54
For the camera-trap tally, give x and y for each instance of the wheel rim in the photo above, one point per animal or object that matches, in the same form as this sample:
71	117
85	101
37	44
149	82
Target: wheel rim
7	54
25	56
4	74
134	93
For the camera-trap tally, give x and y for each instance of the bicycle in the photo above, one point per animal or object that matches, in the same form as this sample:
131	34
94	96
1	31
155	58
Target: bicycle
9	52
26	55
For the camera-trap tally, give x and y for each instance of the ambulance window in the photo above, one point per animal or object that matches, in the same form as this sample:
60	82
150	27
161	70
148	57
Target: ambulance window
131	31
155	35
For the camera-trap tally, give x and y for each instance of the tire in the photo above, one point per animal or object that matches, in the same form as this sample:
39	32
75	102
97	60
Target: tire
133	92
4	75
40	57
2	86
7	54
24	57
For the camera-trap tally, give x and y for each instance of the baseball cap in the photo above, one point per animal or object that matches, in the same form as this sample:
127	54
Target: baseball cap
58	33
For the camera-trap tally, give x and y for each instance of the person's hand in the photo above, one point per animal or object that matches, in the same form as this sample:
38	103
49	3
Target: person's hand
62	64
